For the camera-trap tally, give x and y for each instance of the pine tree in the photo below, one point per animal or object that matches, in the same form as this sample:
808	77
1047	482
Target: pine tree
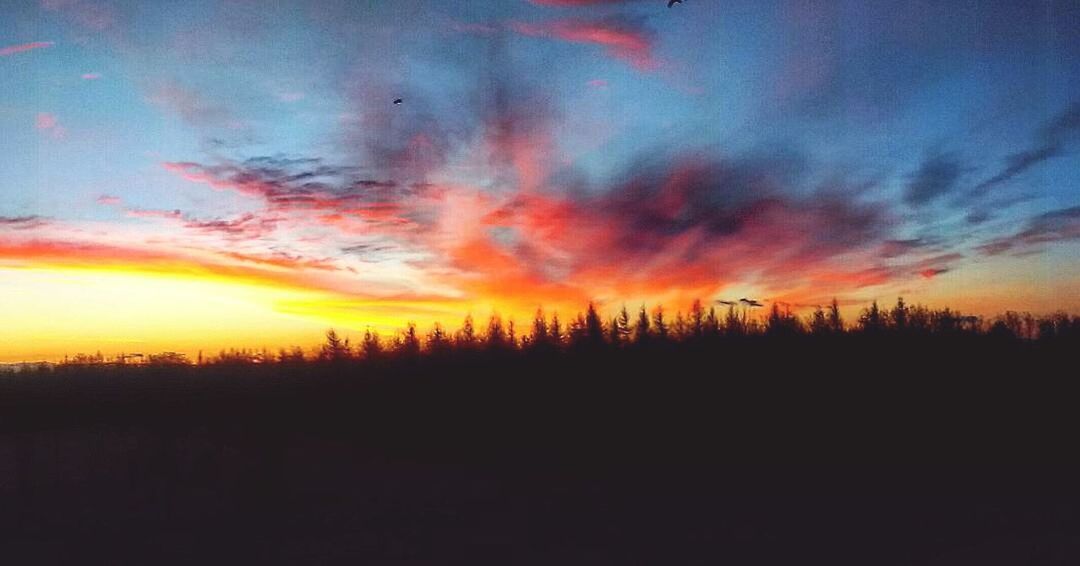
371	345
334	350
437	340
836	324
555	331
410	341
641	329
539	329
466	336
697	320
659	324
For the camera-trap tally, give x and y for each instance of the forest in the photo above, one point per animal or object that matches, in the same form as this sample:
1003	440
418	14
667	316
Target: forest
907	436
643	330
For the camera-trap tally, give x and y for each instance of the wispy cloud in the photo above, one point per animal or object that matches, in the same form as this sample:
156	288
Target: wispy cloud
572	3
937	176
1054	226
13	49
623	38
1053	140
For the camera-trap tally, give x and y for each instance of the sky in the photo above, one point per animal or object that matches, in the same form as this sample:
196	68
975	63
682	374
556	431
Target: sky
213	174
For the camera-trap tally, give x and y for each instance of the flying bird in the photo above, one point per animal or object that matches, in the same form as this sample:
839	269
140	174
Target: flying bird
398	101
728	303
750	302
673	2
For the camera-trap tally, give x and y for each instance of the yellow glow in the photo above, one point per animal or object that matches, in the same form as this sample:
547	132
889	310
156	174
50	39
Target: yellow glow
49	313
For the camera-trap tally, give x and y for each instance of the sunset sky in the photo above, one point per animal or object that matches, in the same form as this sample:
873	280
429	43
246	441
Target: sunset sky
200	175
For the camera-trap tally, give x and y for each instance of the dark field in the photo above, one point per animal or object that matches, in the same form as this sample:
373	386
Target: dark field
762	450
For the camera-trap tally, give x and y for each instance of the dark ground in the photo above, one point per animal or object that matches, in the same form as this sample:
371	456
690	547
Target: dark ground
845	452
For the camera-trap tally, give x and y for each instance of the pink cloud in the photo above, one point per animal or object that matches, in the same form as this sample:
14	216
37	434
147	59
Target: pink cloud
91	76
598	83
625	40
48	124
570	3
13	49
108	200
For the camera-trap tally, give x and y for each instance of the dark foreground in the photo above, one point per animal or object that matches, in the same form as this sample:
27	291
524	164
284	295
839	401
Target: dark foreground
758	453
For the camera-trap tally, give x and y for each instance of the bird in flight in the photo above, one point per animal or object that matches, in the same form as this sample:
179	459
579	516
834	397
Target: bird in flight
750	302
398	101
673	2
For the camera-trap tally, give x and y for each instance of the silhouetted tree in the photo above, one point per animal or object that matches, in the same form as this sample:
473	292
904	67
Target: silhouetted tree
619	329
680	330
711	324
641	329
437	340
899	315
371	346
555	331
466	336
819	323
872	320
495	337
294	355
836	323
697	320
594	327
735	322
781	322
659	324
540	330
168	359
334	349
410	342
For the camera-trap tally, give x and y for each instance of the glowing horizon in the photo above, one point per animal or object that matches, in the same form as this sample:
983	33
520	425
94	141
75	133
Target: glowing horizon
230	175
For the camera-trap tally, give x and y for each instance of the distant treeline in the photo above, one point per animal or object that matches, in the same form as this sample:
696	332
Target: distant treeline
645	329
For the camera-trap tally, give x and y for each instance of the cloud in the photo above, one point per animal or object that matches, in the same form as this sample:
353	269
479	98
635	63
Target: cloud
572	3
90	76
938	175
192	107
13	49
1053	140
623	38
48	124
1054	226
898	248
22	222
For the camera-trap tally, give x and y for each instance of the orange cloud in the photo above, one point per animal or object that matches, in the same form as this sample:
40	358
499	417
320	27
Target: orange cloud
623	39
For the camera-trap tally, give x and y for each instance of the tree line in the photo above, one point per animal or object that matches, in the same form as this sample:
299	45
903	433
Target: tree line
645	329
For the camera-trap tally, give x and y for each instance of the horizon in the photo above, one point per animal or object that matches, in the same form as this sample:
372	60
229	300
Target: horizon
755	321
233	175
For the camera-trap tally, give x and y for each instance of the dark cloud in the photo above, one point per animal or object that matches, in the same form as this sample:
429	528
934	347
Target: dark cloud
1053	140
247	226
898	248
22	222
938	175
1055	226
